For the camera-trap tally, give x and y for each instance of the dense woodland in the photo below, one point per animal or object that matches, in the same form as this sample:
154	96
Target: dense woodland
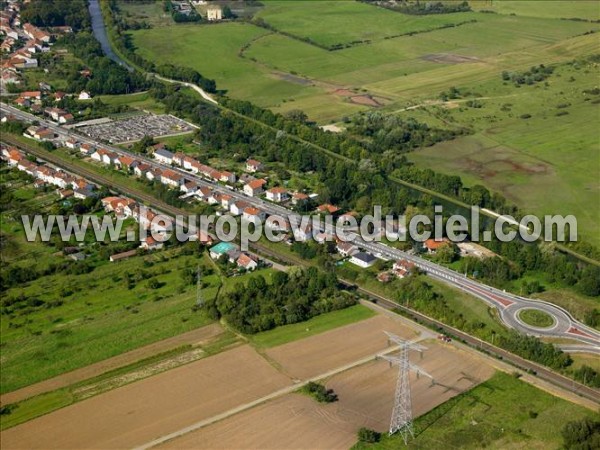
291	297
53	13
107	77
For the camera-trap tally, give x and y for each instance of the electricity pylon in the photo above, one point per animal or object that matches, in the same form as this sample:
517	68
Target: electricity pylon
199	297
402	419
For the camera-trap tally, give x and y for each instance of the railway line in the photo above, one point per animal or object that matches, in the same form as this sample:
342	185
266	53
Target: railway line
161	206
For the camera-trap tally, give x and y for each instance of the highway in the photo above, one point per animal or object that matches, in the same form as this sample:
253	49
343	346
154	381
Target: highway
508	305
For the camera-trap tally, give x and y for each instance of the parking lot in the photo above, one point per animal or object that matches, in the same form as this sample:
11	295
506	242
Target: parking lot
135	128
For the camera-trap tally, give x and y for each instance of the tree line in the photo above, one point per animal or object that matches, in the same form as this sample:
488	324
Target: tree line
291	297
54	13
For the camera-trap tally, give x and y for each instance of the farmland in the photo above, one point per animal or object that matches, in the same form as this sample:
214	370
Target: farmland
284	73
202	390
502	412
525	158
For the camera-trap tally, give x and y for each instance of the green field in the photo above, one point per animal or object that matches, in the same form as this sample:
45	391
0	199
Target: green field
502	412
526	159
284	73
316	325
560	9
342	22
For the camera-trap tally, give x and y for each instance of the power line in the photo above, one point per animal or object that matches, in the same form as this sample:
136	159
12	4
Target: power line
402	417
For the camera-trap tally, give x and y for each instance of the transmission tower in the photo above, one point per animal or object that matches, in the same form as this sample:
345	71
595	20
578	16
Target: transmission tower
402	419
199	297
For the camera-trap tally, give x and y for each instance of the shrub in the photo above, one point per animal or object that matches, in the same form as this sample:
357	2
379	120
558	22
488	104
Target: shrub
368	436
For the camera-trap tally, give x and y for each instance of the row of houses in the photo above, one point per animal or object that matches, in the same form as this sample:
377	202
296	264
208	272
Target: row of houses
71	185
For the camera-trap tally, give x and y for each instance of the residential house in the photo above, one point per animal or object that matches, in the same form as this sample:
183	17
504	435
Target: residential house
83	95
346	249
253	165
163	156
189	187
237	207
327	208
432	245
254	188
246	262
303	232
363	259
151	244
87	149
277	194
72	144
253	215
172	178
154	174
141	169
403	268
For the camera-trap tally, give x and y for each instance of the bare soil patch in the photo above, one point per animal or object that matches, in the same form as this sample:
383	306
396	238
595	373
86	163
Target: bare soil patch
344	92
318	354
449	58
140	412
366	100
194	337
294	79
366	396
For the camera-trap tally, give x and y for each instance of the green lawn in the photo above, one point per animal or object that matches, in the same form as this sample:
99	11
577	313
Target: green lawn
140	100
316	325
536	318
502	412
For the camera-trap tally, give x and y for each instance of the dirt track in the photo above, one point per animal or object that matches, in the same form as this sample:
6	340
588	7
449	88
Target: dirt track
365	399
192	337
142	411
320	353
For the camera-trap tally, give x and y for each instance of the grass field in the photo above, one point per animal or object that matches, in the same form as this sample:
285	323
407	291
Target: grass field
284	73
525	159
559	9
502	412
316	325
140	100
343	22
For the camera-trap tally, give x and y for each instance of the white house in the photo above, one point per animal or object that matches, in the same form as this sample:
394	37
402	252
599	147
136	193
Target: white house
163	156
346	248
83	95
303	232
253	165
277	194
363	259
246	262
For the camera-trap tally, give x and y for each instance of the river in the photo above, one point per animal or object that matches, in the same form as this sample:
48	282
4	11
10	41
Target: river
100	34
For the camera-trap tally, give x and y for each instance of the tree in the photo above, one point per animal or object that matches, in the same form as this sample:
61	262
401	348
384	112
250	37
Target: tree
582	435
368	436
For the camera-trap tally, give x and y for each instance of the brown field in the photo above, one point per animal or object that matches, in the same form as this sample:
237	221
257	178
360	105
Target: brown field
142	411
194	337
366	395
323	352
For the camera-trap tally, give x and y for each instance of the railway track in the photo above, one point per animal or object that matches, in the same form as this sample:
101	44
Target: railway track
539	370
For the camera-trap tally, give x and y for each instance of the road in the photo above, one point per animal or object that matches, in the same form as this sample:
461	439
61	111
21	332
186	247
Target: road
508	305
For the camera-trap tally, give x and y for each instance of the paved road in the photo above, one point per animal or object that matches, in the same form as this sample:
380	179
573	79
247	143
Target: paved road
508	305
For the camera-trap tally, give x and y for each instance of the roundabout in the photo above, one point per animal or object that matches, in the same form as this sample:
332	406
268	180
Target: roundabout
536	318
